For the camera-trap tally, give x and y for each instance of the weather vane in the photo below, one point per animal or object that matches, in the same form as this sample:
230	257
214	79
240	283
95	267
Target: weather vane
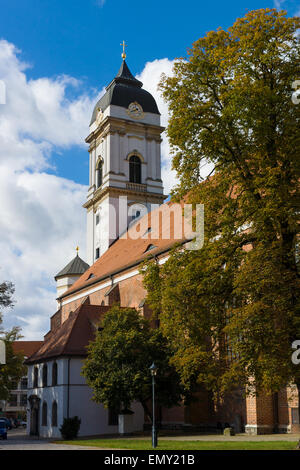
77	249
123	55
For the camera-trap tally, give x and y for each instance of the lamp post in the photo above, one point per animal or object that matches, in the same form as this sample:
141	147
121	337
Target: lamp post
153	370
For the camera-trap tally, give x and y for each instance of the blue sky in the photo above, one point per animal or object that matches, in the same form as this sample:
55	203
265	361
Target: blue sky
55	58
81	38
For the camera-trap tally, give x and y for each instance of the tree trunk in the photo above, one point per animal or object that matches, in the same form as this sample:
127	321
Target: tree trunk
146	410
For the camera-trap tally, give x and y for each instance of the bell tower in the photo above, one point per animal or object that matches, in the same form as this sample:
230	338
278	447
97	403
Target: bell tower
125	160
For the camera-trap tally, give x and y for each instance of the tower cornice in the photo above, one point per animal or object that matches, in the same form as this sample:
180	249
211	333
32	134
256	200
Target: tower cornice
111	125
102	193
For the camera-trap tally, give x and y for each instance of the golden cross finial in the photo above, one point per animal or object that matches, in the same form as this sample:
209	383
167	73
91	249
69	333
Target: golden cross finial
77	249
123	55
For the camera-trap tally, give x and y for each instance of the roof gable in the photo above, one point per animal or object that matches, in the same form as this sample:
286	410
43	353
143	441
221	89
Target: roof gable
73	336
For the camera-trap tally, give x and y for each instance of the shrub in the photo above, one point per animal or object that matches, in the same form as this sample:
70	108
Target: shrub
70	427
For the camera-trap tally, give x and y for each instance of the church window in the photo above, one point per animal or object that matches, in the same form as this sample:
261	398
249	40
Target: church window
297	253
135	170
99	174
35	377
97	253
295	415
45	375
54	413
54	374
44	414
97	219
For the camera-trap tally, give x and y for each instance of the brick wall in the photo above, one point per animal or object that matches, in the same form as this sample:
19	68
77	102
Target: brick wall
255	414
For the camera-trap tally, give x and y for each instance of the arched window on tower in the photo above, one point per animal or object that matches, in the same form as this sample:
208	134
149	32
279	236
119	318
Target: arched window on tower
99	174
135	169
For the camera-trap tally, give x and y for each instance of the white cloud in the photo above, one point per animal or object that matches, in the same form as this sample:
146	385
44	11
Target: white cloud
41	222
279	4
150	77
41	215
100	3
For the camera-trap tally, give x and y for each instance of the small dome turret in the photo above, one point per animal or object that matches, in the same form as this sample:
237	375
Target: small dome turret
69	274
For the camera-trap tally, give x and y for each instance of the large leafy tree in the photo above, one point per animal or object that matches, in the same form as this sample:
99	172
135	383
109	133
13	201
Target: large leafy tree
232	310
117	367
14	369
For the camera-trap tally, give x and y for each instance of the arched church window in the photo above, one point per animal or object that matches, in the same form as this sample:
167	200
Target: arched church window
99	174
44	414
35	377
54	413
135	169
54	374
45	375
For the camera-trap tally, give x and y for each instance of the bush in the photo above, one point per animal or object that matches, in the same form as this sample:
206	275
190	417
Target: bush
69	429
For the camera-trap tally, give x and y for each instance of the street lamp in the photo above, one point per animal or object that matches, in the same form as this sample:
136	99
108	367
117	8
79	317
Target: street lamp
153	370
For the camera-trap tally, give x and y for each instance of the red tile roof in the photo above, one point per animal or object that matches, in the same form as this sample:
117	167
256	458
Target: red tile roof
131	248
26	347
72	338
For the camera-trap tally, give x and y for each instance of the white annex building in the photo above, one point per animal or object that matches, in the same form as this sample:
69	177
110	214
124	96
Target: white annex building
124	179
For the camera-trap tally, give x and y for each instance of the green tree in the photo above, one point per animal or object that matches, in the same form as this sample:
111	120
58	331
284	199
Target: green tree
117	367
7	289
14	369
232	310
194	290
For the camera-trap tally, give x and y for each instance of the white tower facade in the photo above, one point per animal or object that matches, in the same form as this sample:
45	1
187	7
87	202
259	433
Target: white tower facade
125	161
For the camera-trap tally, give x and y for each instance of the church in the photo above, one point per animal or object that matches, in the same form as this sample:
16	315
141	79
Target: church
124	198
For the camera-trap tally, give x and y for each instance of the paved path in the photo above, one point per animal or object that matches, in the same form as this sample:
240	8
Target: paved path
18	440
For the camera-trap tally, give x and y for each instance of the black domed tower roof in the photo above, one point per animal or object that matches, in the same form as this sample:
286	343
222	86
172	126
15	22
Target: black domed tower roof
76	266
123	90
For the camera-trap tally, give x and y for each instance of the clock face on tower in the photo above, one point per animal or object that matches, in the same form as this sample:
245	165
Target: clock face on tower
135	110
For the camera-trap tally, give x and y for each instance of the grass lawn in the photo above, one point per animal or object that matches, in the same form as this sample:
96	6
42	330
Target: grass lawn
145	444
